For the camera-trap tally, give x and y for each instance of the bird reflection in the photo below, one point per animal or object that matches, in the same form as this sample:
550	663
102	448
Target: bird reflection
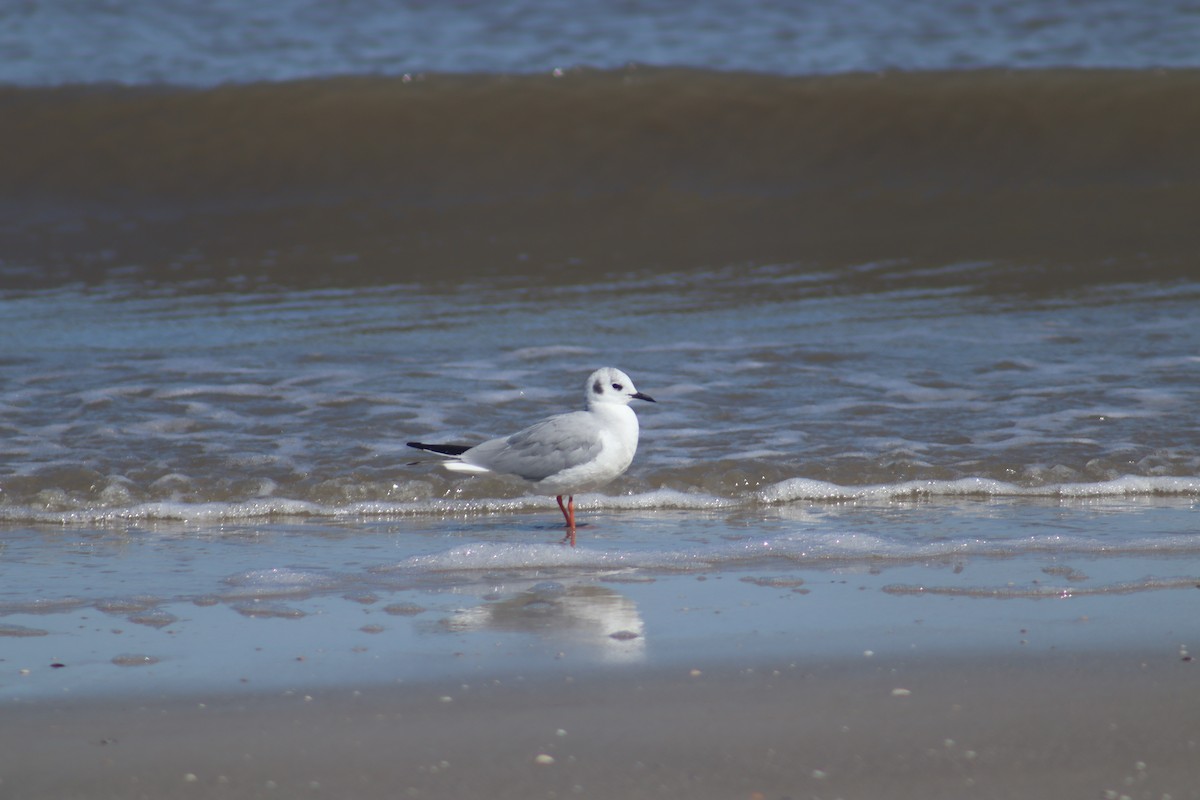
587	615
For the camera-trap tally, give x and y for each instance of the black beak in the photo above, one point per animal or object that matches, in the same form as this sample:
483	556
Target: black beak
642	396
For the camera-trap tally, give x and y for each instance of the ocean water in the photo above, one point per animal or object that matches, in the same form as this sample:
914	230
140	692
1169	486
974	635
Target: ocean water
917	298
143	41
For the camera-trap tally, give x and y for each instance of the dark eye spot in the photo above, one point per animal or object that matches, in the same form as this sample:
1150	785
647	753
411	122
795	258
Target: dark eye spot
597	387
618	386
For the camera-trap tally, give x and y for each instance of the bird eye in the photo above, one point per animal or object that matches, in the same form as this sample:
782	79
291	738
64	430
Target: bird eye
618	386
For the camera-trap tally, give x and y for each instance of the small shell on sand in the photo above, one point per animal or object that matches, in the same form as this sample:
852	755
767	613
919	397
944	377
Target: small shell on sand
134	660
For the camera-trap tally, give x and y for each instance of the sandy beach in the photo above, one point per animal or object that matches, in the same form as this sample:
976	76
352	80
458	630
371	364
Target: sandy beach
1090	724
501	669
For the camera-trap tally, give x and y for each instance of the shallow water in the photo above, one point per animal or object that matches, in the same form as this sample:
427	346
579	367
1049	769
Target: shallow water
209	489
224	407
924	344
280	605
142	41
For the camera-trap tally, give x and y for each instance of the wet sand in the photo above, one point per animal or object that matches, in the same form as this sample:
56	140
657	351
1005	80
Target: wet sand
165	667
1086	723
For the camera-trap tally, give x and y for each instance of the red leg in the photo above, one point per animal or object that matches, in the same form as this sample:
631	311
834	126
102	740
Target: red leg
569	516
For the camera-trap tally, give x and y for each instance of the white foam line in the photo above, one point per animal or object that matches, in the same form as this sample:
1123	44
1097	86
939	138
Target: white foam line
492	556
793	490
1042	592
797	489
268	507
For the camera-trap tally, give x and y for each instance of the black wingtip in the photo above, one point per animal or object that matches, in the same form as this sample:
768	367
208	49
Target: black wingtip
444	449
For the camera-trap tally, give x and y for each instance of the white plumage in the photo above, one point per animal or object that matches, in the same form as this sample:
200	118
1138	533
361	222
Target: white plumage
564	454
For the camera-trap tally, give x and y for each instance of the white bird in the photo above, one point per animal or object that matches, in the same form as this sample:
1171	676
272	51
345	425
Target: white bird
564	454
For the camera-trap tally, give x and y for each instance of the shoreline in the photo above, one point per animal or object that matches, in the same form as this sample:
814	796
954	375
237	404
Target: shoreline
678	655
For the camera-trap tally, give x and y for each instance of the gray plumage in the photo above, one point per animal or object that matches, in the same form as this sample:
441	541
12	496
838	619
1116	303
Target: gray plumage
564	454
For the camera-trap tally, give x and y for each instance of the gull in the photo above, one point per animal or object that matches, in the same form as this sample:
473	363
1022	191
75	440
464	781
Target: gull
565	454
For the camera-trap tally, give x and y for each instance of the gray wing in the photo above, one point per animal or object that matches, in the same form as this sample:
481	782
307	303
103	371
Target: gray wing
541	450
